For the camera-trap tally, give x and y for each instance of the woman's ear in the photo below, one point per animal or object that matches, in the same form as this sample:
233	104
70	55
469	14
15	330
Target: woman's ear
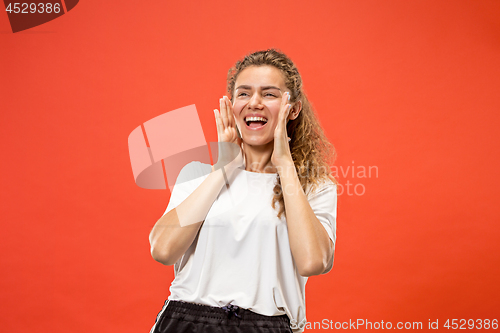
296	108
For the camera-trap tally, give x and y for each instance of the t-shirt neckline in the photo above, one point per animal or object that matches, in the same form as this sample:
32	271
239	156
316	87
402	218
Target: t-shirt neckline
242	168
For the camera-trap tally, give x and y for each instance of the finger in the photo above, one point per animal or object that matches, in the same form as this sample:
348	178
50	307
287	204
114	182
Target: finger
285	108
278	132
236	124
282	107
218	124
285	120
223	110
284	99
288	112
227	111
289	106
230	115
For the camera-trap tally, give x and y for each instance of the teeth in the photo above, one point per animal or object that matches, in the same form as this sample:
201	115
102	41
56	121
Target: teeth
256	119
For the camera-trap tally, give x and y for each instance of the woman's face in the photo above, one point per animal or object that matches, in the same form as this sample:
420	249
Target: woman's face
258	93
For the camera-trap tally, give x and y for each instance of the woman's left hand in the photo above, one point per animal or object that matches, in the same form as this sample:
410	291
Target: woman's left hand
282	156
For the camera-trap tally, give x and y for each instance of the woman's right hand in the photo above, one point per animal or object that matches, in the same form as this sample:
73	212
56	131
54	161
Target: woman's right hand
226	126
227	135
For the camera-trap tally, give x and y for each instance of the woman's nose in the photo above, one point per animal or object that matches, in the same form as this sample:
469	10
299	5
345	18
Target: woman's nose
255	101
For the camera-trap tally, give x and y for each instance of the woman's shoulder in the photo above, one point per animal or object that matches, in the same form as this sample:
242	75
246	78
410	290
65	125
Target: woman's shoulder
193	170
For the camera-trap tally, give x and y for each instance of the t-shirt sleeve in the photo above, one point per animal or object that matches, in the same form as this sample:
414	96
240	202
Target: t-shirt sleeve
190	177
323	202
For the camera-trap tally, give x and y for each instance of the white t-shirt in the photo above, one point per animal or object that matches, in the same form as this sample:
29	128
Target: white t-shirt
241	254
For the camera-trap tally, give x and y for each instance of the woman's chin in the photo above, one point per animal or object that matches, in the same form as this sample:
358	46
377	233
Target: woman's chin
255	141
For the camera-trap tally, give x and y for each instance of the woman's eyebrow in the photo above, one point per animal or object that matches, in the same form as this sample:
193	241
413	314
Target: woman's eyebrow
270	87
263	88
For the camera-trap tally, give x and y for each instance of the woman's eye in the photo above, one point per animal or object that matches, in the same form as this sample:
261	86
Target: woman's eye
272	95
242	94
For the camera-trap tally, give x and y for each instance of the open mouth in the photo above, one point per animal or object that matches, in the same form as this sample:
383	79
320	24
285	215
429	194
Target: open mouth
255	122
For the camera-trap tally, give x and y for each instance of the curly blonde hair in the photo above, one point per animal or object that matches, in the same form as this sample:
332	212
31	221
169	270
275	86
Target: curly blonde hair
311	151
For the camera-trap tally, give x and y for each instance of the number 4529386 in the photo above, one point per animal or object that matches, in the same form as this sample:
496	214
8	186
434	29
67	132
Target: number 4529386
471	324
27	8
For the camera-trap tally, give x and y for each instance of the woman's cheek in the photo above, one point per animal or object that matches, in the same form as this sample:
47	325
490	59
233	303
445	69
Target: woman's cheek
237	109
237	112
274	107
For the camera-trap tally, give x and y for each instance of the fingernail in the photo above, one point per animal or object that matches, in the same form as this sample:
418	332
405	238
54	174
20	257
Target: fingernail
288	95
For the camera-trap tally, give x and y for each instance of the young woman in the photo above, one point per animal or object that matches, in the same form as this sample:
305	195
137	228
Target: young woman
245	234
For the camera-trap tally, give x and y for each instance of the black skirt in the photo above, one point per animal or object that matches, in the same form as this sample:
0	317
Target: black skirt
183	317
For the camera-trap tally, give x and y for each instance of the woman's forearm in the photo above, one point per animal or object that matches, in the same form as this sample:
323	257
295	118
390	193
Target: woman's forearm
174	232
309	242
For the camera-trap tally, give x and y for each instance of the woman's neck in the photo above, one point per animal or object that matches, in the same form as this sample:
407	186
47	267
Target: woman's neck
258	158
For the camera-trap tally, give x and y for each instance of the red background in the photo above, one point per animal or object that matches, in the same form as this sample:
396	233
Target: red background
411	87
